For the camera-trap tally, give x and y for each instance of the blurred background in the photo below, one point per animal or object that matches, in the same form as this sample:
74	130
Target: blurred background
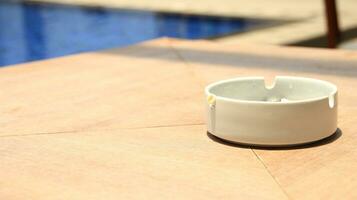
39	29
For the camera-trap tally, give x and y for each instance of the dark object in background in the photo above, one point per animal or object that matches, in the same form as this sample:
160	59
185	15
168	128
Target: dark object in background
333	31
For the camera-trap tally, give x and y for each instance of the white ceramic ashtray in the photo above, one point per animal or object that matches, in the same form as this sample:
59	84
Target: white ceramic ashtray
294	110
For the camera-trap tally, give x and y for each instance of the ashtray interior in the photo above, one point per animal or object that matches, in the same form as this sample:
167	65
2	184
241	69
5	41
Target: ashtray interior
284	89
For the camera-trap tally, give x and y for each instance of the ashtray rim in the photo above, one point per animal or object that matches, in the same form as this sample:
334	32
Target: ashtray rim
213	96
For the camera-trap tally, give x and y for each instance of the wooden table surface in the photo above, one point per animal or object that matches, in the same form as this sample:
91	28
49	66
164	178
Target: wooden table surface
129	124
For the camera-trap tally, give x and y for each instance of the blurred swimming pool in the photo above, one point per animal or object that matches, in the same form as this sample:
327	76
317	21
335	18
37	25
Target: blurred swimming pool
37	31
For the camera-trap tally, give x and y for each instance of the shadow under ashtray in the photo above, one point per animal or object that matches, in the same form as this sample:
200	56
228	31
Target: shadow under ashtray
321	142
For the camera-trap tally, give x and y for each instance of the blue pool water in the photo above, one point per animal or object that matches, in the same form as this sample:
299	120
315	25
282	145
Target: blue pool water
38	31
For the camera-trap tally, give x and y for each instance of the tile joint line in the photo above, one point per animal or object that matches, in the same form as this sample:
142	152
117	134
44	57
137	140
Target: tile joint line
266	168
91	130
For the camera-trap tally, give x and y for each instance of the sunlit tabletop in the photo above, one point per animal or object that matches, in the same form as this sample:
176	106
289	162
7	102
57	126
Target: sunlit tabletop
129	124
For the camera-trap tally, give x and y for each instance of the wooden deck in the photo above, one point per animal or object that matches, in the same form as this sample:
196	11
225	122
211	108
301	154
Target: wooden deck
129	124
